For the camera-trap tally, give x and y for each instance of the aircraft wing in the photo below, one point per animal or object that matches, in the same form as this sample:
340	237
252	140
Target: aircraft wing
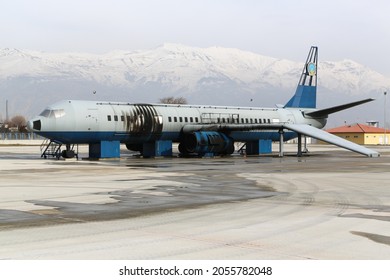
299	128
330	138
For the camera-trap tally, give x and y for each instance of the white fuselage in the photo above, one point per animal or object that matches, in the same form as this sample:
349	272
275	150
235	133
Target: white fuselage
76	122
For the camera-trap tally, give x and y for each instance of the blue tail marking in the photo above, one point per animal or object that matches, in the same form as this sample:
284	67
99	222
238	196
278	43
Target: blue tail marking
306	93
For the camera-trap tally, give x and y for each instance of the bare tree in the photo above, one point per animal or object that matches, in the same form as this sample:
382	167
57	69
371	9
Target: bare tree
19	122
173	100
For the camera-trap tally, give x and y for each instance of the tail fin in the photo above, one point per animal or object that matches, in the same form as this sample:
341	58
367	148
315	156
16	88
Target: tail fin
305	95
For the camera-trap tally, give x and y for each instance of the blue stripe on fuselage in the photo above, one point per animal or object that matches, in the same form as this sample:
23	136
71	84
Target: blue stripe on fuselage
86	137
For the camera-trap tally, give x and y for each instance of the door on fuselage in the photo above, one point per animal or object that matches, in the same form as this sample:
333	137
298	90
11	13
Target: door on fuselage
92	119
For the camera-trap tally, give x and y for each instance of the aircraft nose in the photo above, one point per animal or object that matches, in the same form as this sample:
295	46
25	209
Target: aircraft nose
33	125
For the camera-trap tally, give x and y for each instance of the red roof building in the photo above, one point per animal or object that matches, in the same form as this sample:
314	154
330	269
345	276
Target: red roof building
362	134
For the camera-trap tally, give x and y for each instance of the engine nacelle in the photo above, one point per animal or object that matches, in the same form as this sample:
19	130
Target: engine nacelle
135	147
206	142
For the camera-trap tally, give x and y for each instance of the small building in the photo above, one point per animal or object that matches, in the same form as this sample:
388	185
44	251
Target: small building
362	134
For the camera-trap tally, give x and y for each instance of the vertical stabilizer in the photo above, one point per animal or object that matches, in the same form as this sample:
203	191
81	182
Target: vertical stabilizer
305	95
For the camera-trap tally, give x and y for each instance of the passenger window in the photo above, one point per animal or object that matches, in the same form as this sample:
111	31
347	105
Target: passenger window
109	118
185	119
175	119
180	119
170	119
122	118
191	119
115	118
196	119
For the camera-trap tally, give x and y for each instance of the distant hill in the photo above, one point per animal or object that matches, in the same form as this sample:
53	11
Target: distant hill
31	80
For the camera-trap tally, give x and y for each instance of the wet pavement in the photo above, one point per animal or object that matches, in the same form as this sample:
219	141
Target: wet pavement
329	204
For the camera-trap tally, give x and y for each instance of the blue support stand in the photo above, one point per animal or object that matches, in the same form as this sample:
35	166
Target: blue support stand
259	147
104	149
161	148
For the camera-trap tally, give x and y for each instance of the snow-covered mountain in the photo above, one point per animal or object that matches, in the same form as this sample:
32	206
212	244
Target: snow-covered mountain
30	80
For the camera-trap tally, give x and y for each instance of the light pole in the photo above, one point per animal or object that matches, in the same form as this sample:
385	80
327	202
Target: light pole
384	140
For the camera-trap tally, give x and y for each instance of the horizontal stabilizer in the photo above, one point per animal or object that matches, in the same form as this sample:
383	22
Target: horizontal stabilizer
330	138
331	110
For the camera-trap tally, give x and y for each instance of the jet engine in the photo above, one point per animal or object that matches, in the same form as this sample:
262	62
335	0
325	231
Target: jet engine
203	142
134	147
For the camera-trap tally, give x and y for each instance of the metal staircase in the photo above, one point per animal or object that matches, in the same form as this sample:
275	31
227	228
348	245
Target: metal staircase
50	148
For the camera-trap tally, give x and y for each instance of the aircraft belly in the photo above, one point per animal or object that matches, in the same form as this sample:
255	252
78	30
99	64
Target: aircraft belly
85	137
79	137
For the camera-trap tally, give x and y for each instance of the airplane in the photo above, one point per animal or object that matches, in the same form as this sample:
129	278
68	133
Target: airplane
198	129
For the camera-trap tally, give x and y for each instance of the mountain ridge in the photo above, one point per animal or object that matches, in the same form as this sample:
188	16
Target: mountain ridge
215	75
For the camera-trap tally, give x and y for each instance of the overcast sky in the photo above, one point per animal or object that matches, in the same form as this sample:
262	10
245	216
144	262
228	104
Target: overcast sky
354	29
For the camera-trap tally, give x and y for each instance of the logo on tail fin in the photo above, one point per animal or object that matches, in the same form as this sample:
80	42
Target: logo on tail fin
306	92
311	69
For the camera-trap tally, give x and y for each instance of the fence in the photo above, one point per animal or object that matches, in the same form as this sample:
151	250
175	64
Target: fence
20	136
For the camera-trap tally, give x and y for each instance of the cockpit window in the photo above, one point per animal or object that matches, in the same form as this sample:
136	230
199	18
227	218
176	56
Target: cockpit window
46	113
58	113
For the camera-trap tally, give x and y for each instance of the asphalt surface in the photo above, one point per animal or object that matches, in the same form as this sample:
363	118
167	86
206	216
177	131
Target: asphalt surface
329	204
